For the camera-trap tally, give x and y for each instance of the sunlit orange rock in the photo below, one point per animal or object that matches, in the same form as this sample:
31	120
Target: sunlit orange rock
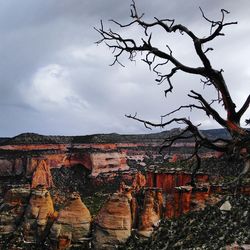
139	181
151	212
72	224
166	181
37	214
178	202
42	176
113	223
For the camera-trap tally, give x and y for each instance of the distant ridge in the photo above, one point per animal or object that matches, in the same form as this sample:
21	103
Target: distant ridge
33	138
2	139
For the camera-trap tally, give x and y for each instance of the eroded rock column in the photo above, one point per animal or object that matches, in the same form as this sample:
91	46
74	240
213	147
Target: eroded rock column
72	225
151	211
113	223
39	211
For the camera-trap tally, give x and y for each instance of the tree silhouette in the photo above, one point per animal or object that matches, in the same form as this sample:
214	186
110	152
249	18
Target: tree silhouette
238	146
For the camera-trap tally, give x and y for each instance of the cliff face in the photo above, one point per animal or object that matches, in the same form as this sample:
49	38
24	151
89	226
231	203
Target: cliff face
11	167
28	215
37	160
151	212
108	162
102	155
180	196
46	211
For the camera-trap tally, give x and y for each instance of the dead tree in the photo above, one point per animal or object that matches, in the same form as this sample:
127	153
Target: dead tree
157	59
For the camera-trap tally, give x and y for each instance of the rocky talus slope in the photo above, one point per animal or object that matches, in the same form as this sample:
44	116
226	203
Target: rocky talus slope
221	226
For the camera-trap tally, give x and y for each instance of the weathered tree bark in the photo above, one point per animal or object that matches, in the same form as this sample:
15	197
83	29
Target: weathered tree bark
157	59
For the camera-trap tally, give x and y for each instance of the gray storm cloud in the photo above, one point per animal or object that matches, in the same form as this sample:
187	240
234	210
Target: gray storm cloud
55	80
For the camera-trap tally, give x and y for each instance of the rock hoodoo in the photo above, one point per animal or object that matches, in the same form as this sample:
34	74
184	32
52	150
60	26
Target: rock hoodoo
38	213
113	223
151	212
94	166
72	224
42	176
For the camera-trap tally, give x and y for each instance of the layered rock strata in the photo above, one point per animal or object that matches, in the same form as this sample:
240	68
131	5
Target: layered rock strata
113	224
169	179
42	176
151	211
72	226
38	214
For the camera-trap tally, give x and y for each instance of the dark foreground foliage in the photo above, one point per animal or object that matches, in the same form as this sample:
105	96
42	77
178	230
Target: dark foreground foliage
210	228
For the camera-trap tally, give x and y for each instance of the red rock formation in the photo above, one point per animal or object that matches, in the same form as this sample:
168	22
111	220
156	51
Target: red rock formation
108	162
150	177
179	202
202	178
199	195
169	208
182	197
182	179
174	158
42	176
72	224
245	190
170	179
151	212
134	212
113	223
38	212
139	181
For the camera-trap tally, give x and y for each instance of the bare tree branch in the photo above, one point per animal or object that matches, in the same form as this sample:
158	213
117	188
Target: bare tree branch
158	59
244	107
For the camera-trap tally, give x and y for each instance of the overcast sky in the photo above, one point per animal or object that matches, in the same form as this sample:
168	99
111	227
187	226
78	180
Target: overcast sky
55	80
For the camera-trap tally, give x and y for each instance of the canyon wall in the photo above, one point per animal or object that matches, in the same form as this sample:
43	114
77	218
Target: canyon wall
45	210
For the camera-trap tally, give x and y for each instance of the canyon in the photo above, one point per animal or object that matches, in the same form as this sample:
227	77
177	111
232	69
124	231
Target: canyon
96	191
